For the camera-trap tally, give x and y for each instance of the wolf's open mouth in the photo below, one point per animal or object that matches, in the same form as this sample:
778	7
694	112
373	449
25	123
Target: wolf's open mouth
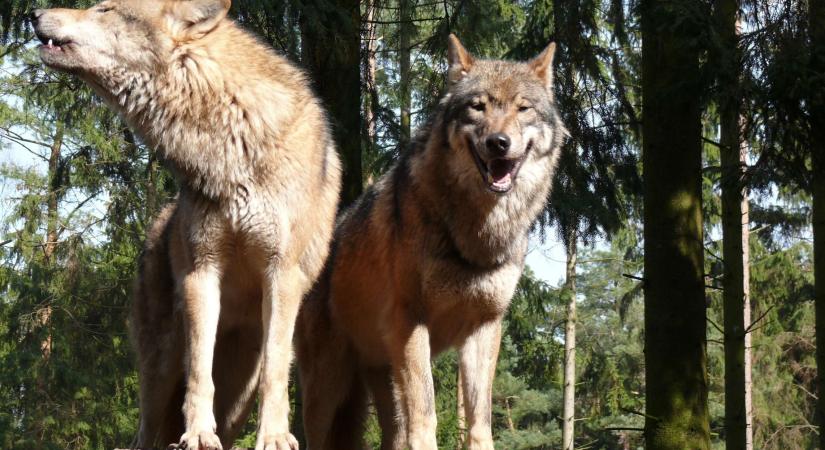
51	43
499	173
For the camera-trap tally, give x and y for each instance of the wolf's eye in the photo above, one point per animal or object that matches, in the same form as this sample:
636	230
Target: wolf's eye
104	9
524	108
478	106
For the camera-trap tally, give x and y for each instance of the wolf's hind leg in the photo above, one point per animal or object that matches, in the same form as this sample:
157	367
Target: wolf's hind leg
390	418
161	396
156	333
330	386
236	372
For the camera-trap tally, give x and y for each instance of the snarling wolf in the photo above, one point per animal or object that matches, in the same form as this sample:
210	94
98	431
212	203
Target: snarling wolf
428	258
225	267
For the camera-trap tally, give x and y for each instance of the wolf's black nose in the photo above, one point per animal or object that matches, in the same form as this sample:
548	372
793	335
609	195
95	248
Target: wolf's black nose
498	143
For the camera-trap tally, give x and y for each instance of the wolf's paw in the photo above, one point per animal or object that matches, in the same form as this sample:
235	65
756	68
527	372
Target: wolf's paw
480	445
198	440
282	441
480	440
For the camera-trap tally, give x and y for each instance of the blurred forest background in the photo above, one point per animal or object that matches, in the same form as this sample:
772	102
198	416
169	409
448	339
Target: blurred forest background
733	145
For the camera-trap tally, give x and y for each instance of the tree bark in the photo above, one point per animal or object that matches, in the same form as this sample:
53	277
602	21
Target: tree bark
331	52
817	110
370	86
569	394
405	31
461	418
55	186
736	296
676	382
735	233
55	176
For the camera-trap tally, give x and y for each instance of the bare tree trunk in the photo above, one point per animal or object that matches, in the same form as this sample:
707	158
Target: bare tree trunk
52	234
332	54
371	102
55	185
735	232
569	394
510	425
819	277
405	31
370	44
460	415
817	108
676	383
747	316
44	314
736	295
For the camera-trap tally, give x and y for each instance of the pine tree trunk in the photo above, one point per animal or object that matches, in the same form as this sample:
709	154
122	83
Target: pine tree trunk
461	419
817	108
676	382
736	295
747	319
569	394
735	233
44	314
405	31
52	234
55	185
332	54
819	279
369	65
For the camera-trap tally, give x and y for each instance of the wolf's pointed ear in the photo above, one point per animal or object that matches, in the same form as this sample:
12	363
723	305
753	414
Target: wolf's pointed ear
542	65
191	19
459	59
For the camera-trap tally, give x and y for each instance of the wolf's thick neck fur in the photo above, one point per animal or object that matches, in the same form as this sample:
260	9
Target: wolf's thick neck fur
170	107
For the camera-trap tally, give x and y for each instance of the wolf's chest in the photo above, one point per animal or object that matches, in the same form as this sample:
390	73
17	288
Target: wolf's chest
456	291
459	301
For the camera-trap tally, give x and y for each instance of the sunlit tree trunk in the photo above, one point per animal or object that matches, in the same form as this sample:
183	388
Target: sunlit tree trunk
369	64
405	31
569	394
676	384
44	313
52	233
735	232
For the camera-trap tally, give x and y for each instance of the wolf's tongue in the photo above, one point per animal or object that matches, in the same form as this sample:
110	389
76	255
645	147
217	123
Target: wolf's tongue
500	170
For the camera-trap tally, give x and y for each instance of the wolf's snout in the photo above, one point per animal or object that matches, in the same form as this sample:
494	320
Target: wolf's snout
498	143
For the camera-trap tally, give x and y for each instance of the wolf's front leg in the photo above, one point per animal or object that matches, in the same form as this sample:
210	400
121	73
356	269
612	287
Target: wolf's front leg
413	375
200	292
283	290
478	367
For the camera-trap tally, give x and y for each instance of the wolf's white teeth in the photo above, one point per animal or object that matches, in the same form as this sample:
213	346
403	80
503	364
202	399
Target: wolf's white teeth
503	182
50	43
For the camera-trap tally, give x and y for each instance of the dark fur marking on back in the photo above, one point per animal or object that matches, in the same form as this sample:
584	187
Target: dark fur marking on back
400	183
128	18
362	210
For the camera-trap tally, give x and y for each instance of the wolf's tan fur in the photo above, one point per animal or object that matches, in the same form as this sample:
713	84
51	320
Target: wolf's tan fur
427	259
226	266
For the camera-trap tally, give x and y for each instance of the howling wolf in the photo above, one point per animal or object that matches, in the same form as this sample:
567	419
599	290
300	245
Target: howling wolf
428	258
225	267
